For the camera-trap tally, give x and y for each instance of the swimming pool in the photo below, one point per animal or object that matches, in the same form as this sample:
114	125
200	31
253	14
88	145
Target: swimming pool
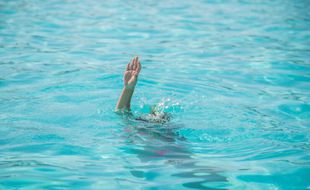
233	74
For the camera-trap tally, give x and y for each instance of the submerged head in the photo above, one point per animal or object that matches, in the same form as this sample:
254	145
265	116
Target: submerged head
159	116
155	116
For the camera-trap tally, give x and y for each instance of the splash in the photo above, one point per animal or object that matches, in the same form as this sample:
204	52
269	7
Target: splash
165	105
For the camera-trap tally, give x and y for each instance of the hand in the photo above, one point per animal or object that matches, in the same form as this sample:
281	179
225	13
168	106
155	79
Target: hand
131	73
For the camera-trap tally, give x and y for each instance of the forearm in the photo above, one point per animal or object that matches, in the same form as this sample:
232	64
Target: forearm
124	100
130	81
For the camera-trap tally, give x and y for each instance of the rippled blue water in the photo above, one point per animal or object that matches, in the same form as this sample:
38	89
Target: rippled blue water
234	75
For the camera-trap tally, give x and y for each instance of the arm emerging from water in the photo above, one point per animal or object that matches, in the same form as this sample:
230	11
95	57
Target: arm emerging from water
130	80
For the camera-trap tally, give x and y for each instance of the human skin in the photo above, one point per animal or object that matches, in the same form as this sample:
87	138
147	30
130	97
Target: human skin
130	80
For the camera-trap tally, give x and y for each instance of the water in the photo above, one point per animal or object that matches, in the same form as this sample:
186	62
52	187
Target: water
233	74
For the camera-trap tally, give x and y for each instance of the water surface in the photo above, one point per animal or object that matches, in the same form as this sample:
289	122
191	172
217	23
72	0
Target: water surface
234	75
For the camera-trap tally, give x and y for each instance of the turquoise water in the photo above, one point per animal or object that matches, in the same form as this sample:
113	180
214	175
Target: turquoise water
233	74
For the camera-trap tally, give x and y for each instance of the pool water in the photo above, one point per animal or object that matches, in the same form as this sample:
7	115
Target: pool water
234	75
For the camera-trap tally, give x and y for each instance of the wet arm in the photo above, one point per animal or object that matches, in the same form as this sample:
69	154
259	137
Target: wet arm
124	99
130	80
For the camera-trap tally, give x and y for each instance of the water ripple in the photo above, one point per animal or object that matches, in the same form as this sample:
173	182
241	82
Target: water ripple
234	76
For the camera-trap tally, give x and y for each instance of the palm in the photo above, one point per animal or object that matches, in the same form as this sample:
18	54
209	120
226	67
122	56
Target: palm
129	79
131	73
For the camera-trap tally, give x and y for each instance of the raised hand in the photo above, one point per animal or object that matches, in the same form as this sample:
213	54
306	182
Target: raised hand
130	80
131	74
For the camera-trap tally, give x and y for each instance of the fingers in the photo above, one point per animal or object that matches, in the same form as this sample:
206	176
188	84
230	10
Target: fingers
138	69
135	60
131	64
134	65
137	65
128	67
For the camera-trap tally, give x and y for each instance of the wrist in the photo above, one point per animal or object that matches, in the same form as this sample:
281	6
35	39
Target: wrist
129	87
128	90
